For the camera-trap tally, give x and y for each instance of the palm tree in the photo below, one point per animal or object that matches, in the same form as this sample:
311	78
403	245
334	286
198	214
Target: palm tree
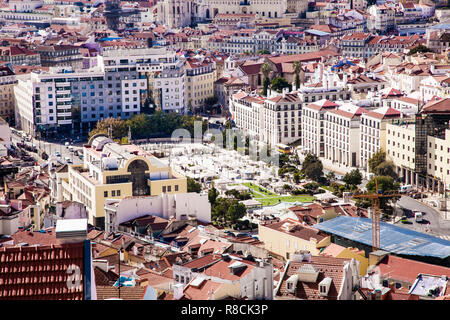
266	69
297	68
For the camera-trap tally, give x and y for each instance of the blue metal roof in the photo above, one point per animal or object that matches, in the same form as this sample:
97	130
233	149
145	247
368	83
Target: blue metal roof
317	32
394	239
445	26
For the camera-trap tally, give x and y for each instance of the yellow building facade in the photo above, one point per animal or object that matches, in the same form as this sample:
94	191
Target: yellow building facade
289	236
113	171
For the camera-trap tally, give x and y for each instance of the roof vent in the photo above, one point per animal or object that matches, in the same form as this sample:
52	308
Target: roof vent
308	273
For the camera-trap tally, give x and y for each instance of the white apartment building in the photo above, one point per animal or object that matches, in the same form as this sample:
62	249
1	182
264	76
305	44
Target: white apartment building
281	121
313	126
272	120
342	127
373	132
384	18
62	100
435	86
406	105
247	114
181	206
400	149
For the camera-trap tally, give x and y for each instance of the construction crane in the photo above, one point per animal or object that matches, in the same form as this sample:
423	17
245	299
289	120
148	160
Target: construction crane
375	199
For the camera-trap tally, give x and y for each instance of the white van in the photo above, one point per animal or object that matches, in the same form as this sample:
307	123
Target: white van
418	215
406	188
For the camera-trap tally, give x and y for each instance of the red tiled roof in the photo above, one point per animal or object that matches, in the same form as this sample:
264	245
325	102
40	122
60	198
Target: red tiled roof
202	292
328	267
40	273
437	106
407	270
126	293
299	230
202	261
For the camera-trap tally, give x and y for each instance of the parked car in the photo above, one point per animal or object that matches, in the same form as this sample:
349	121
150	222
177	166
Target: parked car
419	196
58	154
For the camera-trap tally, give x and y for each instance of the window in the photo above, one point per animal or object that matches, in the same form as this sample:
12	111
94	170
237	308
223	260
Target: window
118	193
164	189
113	193
169	188
176	187
105	193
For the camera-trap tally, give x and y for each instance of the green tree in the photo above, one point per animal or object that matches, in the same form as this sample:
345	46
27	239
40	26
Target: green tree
220	208
297	66
386	168
212	195
193	186
297	176
353	178
331	176
235	212
385	183
278	83
314	171
264	51
376	159
117	125
419	49
266	69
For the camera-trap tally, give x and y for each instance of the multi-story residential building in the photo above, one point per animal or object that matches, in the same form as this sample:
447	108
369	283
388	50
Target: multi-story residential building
406	105
171	83
281	119
113	171
274	120
435	86
383	18
200	76
342	127
365	45
373	132
19	56
309	277
400	148
7	103
60	56
67	101
354	44
181	206
313	126
289	236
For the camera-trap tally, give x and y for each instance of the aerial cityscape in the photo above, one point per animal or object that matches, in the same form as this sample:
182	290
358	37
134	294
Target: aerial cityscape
234	150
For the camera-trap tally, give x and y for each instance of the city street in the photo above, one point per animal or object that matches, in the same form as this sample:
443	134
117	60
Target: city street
437	226
50	148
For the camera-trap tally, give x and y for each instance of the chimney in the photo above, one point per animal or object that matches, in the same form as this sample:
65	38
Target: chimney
71	230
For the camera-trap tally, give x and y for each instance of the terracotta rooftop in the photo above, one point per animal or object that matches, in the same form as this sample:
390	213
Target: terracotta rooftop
297	230
437	106
126	293
407	270
327	266
40	272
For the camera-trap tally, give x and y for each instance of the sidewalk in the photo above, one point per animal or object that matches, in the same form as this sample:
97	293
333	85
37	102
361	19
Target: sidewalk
335	167
445	214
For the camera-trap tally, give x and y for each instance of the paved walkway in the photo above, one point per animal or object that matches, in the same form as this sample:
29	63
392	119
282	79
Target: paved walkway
335	167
